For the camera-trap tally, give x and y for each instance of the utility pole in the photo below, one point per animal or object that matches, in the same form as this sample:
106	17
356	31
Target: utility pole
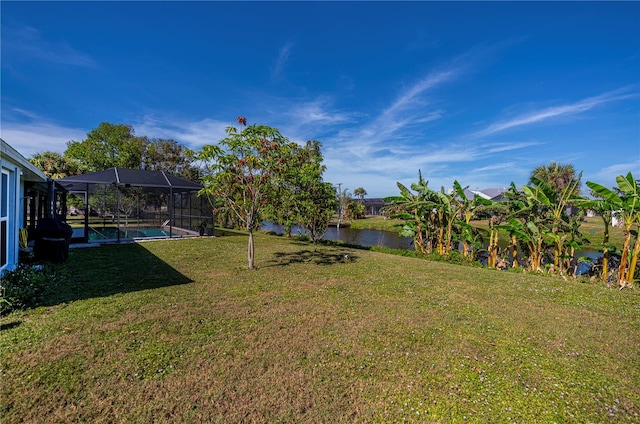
339	205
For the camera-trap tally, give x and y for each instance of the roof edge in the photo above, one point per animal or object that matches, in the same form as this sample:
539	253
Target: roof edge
15	156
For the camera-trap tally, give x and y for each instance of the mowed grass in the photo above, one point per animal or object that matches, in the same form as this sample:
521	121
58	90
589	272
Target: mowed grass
179	331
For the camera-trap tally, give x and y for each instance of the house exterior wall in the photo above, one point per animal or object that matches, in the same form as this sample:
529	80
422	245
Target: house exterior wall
15	171
10	213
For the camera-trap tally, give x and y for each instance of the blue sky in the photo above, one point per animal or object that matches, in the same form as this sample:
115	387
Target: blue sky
479	92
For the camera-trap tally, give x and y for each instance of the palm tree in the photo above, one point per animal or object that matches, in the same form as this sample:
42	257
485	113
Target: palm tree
360	192
557	176
55	165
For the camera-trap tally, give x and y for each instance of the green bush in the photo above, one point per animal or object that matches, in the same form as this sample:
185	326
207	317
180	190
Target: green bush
24	287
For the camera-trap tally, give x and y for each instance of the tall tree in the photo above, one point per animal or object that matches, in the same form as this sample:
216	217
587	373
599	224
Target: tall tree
245	168
313	200
301	196
108	146
168	155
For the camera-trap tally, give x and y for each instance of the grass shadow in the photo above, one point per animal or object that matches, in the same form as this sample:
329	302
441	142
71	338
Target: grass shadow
10	325
110	269
312	257
226	232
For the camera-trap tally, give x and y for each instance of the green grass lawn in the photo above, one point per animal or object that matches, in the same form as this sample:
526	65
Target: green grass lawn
376	223
179	331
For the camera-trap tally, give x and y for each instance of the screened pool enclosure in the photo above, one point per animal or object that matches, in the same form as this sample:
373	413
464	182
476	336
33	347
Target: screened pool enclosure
123	204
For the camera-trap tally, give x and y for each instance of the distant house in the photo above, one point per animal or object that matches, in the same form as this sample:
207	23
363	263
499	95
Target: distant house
494	194
26	195
373	206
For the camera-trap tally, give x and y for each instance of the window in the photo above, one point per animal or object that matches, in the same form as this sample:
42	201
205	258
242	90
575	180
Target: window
4	218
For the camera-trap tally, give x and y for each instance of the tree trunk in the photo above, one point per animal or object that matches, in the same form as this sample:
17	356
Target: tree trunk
605	252
622	271
250	249
490	249
634	261
440	241
605	265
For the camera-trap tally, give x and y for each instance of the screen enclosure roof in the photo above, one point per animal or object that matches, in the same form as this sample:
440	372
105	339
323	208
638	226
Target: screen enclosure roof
122	177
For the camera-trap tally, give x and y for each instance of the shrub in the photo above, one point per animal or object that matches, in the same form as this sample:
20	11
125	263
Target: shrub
24	287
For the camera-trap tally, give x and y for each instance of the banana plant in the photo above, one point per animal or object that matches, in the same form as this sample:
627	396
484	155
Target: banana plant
414	210
524	226
604	209
498	211
625	201
442	214
467	209
532	237
429	216
554	205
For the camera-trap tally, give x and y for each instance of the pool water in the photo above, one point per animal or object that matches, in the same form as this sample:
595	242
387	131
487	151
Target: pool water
112	233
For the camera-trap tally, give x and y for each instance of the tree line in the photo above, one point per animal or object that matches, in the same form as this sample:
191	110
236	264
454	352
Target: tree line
117	146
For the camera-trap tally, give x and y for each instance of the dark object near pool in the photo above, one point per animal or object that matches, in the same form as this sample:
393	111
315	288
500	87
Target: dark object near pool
52	240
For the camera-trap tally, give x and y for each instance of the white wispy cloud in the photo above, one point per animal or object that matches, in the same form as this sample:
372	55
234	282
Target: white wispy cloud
191	133
505	147
549	113
411	97
28	43
281	61
607	175
314	112
498	167
301	119
409	109
33	133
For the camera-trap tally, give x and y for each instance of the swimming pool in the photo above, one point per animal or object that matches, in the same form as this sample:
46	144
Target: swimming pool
111	233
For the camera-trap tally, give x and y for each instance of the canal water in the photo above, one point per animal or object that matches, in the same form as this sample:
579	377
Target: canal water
366	238
392	240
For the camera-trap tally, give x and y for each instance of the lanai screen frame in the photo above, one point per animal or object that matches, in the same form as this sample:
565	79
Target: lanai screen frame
155	181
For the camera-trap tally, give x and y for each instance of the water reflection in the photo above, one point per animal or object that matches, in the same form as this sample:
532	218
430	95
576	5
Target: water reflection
349	235
392	240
